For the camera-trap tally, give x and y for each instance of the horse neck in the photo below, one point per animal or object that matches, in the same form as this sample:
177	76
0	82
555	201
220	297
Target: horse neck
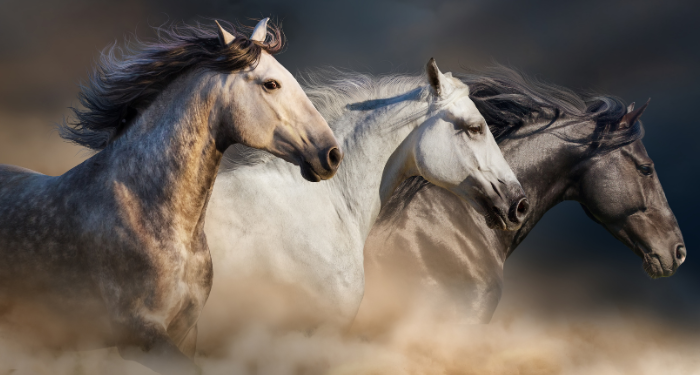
545	165
368	147
166	161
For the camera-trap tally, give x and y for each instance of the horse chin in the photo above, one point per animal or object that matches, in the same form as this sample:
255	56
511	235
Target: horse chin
653	267
308	173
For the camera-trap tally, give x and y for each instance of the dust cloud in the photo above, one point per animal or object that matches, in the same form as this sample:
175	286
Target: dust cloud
423	340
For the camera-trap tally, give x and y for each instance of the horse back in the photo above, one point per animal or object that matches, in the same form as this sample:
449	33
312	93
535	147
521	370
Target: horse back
27	207
23	198
16	183
7	171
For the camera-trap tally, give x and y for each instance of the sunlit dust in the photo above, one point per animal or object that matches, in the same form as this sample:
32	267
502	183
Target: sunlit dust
424	340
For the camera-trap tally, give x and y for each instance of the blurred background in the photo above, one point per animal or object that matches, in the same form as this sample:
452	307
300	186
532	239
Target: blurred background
631	49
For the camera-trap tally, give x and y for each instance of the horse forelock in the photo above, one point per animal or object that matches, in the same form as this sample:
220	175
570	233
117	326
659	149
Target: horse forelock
127	80
607	113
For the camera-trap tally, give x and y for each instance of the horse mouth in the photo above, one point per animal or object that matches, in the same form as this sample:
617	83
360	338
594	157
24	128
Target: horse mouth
495	220
652	264
308	172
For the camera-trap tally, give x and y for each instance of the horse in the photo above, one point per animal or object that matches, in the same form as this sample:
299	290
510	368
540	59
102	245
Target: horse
561	146
113	252
391	128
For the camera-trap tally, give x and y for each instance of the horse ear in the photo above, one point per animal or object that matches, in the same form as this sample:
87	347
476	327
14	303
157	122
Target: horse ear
435	77
260	31
632	116
225	37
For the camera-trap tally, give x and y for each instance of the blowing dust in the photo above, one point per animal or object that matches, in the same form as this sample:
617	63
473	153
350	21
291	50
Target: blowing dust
258	338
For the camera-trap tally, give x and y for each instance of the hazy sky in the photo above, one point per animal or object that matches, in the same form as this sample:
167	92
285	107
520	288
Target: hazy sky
632	49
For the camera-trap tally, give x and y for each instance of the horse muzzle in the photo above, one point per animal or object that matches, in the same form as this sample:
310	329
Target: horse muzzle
657	265
322	167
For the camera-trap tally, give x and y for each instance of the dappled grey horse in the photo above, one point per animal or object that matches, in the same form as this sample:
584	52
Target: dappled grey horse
561	146
310	236
113	251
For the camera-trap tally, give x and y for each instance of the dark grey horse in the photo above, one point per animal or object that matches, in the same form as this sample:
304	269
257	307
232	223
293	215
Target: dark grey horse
561	147
113	251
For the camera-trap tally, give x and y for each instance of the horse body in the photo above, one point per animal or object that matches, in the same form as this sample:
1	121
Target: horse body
437	245
104	232
116	244
389	133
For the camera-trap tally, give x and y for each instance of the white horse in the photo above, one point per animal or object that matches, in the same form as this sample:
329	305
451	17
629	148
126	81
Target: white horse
113	252
264	222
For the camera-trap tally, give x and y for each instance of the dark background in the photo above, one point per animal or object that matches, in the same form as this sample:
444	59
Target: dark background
632	49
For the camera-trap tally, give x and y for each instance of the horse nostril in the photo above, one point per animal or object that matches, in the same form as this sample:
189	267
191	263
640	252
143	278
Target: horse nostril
680	253
523	206
519	210
334	158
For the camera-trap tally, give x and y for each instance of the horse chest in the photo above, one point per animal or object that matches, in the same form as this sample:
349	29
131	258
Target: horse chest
185	270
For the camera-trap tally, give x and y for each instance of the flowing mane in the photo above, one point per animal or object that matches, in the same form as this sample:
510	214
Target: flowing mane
334	91
122	86
510	101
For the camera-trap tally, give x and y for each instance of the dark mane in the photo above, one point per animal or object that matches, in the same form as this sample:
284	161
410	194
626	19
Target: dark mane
121	86
509	101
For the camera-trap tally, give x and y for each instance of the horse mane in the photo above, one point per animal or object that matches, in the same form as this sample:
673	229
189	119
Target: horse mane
126	81
333	92
510	100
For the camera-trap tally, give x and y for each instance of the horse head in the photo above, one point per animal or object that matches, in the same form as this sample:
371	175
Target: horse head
267	109
455	150
621	191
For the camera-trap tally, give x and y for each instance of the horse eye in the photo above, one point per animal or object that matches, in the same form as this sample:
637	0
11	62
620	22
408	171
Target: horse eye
646	170
475	129
271	85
